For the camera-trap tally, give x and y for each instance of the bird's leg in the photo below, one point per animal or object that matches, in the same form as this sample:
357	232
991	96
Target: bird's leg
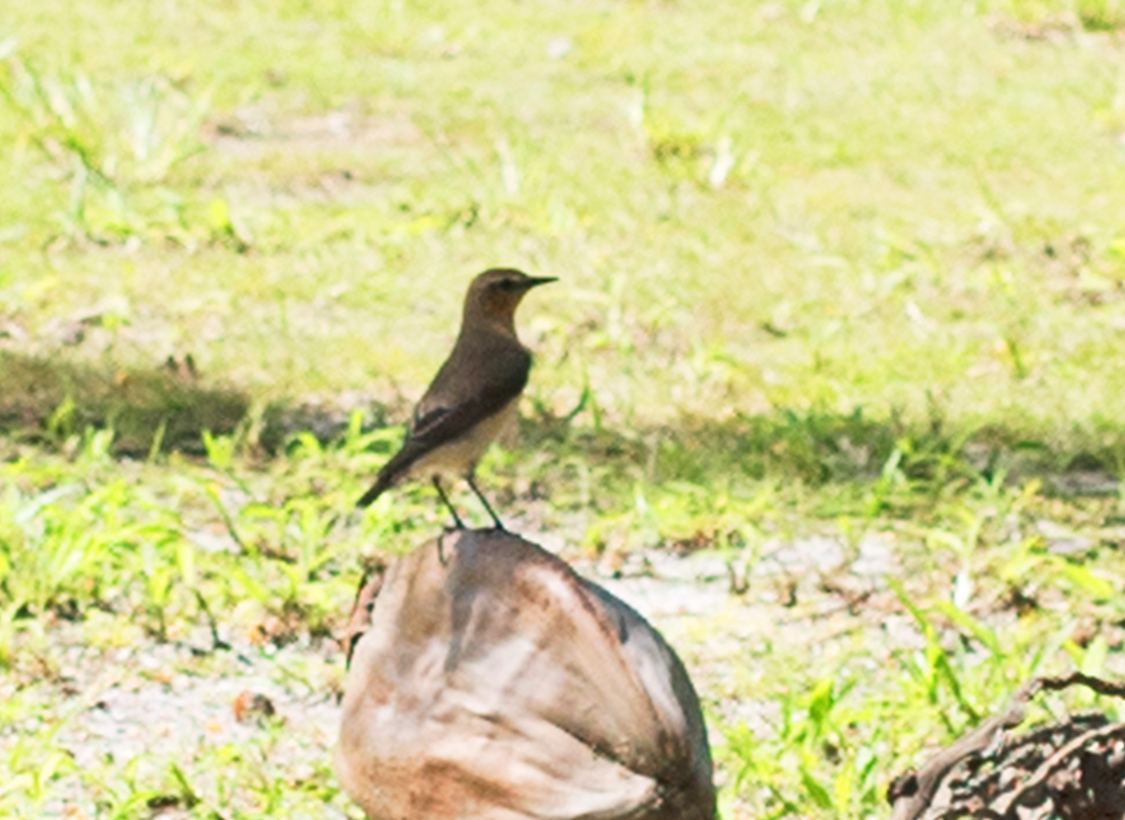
484	501
456	518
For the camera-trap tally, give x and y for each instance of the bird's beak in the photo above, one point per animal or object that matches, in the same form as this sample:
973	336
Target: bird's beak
535	281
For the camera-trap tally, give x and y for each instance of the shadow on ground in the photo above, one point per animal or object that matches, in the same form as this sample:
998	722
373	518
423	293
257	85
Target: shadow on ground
818	447
45	400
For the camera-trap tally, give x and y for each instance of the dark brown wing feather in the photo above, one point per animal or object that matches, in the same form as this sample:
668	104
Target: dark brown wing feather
465	391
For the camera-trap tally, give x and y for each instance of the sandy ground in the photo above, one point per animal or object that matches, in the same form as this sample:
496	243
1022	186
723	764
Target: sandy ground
148	706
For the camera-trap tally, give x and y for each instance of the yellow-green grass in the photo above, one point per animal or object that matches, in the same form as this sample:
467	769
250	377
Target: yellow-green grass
836	270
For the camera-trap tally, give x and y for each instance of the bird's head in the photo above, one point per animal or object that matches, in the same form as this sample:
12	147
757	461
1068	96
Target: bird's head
494	295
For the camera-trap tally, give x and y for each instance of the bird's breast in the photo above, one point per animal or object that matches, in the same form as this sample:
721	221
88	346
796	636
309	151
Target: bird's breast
461	455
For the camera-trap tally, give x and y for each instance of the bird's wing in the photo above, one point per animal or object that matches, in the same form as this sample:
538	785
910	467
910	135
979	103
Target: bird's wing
446	415
459	398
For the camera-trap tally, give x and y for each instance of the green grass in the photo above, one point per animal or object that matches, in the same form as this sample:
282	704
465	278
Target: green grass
841	270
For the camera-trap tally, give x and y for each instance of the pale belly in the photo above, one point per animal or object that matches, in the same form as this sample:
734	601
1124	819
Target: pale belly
461	456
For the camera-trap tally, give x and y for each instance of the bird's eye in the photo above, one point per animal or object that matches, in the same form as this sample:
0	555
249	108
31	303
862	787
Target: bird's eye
508	284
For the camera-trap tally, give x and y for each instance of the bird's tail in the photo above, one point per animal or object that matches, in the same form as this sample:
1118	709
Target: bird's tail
382	483
392	471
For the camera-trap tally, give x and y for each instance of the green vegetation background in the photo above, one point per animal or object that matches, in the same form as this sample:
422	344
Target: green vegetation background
831	269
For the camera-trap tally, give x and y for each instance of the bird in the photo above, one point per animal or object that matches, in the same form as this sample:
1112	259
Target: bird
474	395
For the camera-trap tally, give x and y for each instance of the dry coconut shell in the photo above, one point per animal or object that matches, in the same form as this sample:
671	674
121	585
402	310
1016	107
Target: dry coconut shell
493	683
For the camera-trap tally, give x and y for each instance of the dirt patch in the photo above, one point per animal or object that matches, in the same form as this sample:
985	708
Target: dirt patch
250	133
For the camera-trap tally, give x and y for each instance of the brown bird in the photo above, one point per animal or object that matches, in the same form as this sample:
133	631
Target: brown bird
474	395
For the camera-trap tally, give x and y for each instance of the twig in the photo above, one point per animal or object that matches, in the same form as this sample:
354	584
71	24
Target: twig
360	619
228	522
912	793
216	642
1004	804
1102	687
